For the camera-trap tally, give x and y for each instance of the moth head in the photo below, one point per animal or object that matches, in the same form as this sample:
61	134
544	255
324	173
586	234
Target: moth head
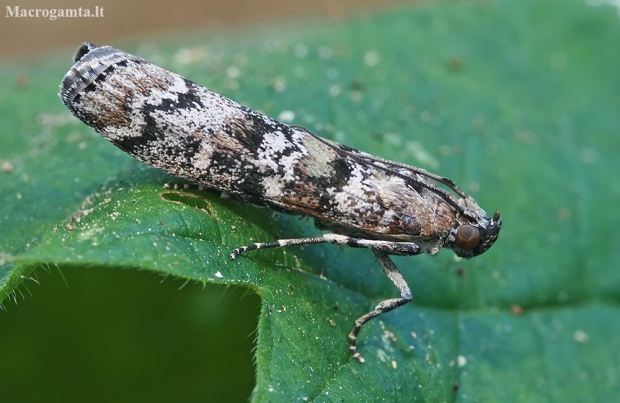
473	237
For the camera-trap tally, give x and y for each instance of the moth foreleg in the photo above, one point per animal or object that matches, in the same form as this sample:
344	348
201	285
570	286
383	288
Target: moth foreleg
391	271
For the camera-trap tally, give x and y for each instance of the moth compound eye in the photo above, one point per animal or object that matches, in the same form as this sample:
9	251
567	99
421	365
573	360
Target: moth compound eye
467	237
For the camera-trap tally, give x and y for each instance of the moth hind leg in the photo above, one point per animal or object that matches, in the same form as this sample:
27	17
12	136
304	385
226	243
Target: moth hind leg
280	243
392	248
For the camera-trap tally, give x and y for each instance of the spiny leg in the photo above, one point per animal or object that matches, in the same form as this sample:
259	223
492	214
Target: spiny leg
391	271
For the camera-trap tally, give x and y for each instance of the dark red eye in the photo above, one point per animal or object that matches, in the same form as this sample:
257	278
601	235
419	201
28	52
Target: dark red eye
467	237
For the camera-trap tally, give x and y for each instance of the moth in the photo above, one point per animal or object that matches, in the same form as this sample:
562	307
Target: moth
189	131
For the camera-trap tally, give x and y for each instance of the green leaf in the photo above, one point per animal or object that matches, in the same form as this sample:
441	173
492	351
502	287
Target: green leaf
515	101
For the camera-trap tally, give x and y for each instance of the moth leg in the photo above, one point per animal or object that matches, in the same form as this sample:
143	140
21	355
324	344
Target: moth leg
391	271
277	244
381	249
391	248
